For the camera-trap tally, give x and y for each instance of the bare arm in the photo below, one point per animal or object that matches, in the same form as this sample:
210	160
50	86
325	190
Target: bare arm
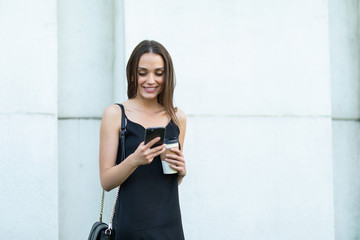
182	120
112	175
177	160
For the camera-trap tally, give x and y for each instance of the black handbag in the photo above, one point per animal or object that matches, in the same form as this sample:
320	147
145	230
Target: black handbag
101	230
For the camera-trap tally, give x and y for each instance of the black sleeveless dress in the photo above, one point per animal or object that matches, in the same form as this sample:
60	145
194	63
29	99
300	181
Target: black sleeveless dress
148	203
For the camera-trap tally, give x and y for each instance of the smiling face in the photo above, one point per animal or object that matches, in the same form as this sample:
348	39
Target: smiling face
150	75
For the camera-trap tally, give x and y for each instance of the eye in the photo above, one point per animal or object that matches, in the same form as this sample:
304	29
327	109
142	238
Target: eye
142	73
159	73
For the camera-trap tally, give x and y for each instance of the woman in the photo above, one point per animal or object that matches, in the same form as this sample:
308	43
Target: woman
148	202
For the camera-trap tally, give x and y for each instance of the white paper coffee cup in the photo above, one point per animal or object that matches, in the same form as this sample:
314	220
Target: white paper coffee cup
165	165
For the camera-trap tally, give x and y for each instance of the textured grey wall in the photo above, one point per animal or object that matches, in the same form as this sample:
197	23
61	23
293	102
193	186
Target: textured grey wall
345	63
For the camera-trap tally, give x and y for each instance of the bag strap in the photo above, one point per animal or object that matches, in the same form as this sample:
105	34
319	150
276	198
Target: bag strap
122	139
123	130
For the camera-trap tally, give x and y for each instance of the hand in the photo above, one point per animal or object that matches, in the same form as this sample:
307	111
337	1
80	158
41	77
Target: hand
177	161
144	154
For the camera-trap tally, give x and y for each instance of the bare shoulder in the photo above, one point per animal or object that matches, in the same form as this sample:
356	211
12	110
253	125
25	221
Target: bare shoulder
112	110
112	113
181	116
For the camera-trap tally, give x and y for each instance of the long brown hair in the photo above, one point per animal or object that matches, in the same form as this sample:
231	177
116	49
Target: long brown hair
165	98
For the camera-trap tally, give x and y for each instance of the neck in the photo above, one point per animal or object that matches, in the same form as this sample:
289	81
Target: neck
147	105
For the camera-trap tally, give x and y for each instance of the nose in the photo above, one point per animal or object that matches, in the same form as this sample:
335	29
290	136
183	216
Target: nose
151	78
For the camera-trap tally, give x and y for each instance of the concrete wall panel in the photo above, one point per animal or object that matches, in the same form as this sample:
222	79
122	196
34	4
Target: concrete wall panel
85	89
28	59
258	178
347	178
28	170
345	80
85	57
79	183
241	57
345	59
28	116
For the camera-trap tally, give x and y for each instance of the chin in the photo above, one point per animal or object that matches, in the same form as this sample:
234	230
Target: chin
149	96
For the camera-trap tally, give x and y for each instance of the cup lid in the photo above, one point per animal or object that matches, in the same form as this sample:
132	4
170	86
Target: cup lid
171	140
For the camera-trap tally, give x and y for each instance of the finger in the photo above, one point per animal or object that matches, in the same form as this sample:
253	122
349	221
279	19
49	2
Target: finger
155	154
177	151
157	151
175	162
160	148
152	142
176	157
141	145
179	169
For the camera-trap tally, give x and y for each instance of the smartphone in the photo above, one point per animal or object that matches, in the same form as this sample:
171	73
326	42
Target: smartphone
151	133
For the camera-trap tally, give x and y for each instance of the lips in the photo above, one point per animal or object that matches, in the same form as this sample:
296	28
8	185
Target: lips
150	89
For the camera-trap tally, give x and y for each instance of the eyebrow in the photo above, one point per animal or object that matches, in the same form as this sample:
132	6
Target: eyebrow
141	68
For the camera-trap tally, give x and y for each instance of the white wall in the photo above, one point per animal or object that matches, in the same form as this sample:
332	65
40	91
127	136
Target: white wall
266	113
254	79
345	63
85	89
28	117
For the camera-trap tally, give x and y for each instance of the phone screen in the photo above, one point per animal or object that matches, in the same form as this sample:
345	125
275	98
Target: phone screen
151	133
